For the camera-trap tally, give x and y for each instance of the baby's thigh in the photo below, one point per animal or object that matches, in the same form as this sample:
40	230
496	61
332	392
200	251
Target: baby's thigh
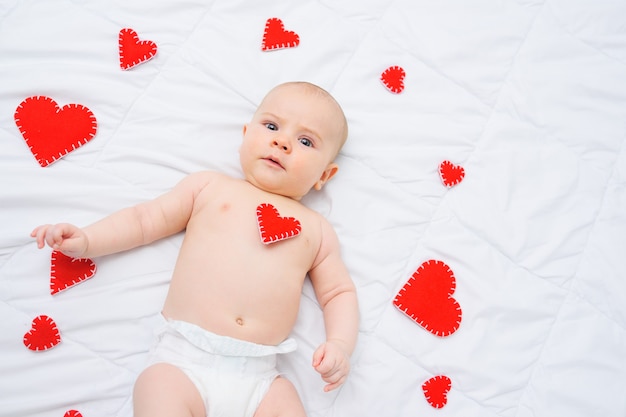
164	390
282	399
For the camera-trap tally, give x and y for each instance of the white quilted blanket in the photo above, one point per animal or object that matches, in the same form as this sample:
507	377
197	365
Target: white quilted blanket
525	99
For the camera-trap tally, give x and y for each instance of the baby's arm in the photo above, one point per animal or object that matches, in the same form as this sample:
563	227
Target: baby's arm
129	227
337	295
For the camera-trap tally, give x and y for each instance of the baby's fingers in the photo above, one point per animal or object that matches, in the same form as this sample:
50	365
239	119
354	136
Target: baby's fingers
39	233
318	356
331	372
333	385
52	235
326	366
56	235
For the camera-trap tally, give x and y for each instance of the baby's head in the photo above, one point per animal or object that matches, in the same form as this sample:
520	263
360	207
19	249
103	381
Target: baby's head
291	142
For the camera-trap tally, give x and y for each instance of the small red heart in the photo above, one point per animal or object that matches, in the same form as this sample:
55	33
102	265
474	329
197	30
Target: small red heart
274	228
72	413
133	51
276	37
65	271
436	390
52	132
43	334
427	298
450	173
393	79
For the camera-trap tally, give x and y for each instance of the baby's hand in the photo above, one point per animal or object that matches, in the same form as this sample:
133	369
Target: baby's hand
332	363
63	237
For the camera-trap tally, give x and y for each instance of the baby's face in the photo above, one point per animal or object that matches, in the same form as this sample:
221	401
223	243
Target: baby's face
290	144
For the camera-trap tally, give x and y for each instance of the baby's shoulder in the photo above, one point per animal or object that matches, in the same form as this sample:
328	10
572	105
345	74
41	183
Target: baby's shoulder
197	186
320	223
205	177
202	179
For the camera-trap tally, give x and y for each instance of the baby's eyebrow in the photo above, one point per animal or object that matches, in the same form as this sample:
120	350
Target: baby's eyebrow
270	115
307	130
312	132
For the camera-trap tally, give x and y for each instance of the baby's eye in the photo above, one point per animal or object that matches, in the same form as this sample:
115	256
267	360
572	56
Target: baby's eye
306	142
271	126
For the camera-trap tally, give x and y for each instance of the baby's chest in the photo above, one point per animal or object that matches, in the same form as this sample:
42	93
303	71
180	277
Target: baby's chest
264	225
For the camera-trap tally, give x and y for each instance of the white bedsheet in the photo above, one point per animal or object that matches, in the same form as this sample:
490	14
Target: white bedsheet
528	96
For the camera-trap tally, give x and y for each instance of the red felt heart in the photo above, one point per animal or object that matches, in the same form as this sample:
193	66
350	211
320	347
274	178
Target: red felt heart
52	132
274	228
427	298
436	390
43	334
65	271
72	413
393	79
276	37
450	173
133	51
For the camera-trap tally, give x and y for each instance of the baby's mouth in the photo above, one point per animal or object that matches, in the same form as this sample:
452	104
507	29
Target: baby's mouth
274	162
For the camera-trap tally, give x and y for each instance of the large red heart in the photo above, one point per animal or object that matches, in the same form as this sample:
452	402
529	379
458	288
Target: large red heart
65	271
450	173
72	413
436	390
393	79
43	334
133	51
427	298
276	37
274	228
52	132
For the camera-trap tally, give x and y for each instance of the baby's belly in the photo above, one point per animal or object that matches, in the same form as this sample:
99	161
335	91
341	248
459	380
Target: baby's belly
252	311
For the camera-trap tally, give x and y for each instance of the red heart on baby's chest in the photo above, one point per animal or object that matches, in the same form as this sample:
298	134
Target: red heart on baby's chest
273	227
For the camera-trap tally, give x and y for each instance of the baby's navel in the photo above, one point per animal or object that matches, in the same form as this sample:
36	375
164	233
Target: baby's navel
239	321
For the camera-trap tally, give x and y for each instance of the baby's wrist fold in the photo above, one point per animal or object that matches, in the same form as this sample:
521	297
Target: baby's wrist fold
342	344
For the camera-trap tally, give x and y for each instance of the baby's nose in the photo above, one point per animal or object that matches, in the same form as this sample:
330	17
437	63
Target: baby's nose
281	143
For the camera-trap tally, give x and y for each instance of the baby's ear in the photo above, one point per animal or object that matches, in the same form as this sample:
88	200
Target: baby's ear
328	173
245	128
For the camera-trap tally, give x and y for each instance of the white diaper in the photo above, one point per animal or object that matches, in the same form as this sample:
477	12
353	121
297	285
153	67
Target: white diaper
231	375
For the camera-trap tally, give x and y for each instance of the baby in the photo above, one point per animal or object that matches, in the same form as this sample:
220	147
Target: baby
236	286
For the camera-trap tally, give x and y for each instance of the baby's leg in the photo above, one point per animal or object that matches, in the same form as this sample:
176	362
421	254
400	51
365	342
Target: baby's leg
282	399
164	390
